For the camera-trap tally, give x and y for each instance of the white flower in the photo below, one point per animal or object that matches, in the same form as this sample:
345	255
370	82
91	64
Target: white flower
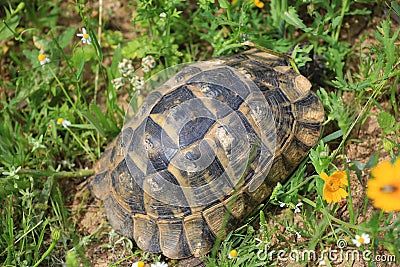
145	68
138	264
281	204
36	144
298	235
148	63
363	239
126	68
12	173
85	36
64	123
163	15
159	264
43	59
137	82
297	209
118	83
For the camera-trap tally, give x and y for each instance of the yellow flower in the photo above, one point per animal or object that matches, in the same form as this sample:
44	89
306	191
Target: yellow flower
333	188
384	189
232	254
138	264
258	3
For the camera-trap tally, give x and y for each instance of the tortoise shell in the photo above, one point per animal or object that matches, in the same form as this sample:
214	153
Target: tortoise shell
204	149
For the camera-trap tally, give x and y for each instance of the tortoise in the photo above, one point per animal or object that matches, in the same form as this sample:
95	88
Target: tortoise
204	149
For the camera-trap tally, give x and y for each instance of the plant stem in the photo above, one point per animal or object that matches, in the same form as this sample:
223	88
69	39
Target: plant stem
55	174
47	252
332	218
345	8
65	93
90	153
96	79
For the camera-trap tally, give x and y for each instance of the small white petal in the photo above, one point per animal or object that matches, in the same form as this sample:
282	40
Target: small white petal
366	238
66	123
355	241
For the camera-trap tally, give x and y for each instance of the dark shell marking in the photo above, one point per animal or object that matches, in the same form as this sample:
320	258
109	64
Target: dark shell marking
181	211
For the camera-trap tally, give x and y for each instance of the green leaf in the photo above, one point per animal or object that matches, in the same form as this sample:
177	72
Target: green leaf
319	186
7	28
292	18
80	67
373	160
373	223
262	218
135	47
95	122
66	37
333	136
396	7
96	44
32	56
320	157
72	258
176	13
388	144
363	11
99	121
358	167
82	54
117	57
223	3
278	7
386	122
336	21
276	192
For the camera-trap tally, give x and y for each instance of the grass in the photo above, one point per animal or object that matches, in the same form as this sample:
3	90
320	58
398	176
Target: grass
42	162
